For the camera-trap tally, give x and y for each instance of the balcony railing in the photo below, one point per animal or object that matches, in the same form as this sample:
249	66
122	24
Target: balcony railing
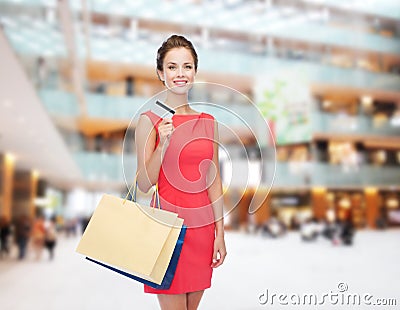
61	103
321	174
106	167
346	124
31	38
109	167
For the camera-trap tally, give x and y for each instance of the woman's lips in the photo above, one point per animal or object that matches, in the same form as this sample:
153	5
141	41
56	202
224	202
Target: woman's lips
180	82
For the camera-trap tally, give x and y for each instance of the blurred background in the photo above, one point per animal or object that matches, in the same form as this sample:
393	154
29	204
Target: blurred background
324	74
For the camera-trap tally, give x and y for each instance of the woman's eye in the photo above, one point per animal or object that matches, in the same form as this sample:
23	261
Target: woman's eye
189	67
171	67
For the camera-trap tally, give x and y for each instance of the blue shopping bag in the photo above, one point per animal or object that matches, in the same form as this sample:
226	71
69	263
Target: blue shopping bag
169	274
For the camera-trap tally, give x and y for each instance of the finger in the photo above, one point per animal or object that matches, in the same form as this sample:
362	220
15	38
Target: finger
214	257
169	127
217	263
166	127
221	260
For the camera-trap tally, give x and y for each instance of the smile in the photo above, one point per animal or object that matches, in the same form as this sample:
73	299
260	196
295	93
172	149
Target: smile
180	82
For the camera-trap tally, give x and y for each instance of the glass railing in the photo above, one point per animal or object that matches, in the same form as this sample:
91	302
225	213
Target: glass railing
161	9
61	103
116	168
280	22
115	107
105	167
365	175
321	174
346	124
33	39
386	8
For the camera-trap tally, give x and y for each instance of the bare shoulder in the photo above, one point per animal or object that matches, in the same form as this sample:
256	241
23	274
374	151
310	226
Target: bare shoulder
144	129
144	123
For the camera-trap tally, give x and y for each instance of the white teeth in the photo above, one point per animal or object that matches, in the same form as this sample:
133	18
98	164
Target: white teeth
180	83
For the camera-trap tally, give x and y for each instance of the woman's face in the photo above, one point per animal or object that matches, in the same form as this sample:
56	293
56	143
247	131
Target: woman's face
178	70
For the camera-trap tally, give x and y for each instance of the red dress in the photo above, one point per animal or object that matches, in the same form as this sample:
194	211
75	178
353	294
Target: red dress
182	189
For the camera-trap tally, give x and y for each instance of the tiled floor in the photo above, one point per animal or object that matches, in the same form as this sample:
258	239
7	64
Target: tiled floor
255	266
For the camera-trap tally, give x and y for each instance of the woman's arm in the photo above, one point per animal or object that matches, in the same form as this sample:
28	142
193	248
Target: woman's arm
216	197
149	160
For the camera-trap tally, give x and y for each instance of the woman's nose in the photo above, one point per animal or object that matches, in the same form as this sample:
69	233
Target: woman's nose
180	71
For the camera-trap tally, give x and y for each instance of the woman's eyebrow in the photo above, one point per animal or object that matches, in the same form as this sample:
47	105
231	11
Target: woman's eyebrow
174	63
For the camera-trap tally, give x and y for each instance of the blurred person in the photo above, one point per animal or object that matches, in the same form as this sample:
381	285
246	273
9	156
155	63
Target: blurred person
130	85
393	217
71	226
336	232
331	227
274	227
5	232
41	72
310	229
50	239
158	142
38	236
22	234
381	221
347	232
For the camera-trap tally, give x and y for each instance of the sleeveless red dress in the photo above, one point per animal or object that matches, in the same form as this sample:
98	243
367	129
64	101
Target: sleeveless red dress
182	189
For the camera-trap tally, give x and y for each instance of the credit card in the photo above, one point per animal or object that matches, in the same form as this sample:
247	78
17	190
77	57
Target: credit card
162	110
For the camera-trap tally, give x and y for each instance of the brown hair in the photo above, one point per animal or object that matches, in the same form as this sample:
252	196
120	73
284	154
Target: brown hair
175	41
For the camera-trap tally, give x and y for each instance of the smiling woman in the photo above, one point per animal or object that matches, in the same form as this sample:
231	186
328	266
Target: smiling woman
177	64
178	70
180	154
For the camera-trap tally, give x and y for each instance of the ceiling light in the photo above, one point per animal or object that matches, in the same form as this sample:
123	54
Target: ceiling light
366	101
35	173
326	103
287	11
395	119
392	203
21	119
381	156
7	103
345	203
50	16
326	14
371	190
49	3
9	158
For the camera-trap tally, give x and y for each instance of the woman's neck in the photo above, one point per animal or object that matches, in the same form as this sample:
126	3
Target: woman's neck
179	103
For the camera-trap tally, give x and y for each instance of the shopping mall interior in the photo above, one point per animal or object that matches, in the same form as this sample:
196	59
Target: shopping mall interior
306	94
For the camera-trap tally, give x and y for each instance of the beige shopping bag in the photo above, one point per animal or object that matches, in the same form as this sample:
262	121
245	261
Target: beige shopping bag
136	238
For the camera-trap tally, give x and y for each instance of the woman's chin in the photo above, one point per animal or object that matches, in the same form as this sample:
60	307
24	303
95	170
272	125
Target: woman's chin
180	90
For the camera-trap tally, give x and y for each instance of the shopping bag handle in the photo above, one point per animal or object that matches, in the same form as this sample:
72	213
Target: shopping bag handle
157	195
